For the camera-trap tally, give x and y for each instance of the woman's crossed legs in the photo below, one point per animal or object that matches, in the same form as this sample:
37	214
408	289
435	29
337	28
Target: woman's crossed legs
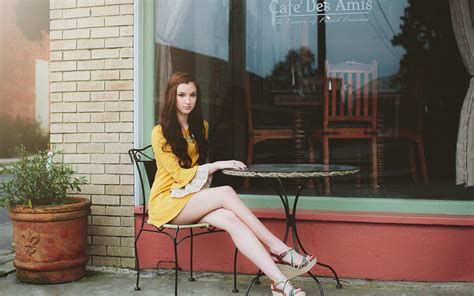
222	208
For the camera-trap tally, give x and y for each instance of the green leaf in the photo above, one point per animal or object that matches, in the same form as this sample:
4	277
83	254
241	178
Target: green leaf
36	180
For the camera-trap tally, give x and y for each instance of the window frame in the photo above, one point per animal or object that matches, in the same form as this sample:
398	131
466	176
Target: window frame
144	120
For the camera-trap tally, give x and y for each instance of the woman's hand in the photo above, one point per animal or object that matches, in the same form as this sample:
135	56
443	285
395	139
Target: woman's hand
227	164
232	164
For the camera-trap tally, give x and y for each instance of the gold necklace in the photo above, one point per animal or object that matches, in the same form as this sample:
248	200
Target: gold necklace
189	138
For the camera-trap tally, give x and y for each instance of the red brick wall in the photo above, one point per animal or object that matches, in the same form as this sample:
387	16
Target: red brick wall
17	64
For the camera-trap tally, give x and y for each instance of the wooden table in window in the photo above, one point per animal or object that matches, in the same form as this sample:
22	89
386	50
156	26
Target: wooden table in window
302	173
299	102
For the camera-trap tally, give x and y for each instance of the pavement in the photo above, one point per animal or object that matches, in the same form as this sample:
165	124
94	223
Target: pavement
5	223
5	230
6	238
109	281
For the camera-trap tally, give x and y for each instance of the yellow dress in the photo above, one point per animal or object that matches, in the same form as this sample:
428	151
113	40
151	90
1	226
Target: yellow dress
173	185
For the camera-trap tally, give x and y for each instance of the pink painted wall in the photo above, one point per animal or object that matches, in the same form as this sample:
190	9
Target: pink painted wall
358	245
17	64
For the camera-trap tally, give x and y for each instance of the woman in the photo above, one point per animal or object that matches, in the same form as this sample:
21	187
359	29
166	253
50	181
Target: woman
180	193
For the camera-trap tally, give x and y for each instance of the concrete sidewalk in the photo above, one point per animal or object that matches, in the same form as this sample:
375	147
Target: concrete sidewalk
116	282
6	235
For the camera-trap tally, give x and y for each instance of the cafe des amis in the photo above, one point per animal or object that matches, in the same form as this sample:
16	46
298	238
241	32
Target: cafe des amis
407	215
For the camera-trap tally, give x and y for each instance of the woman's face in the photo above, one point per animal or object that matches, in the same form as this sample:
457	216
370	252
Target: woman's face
186	96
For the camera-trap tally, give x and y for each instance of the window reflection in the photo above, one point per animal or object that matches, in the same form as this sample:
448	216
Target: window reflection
261	64
24	91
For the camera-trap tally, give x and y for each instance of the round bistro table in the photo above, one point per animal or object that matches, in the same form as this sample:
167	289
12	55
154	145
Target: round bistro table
302	173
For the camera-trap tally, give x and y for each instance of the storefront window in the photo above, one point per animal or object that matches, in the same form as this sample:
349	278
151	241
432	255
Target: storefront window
383	72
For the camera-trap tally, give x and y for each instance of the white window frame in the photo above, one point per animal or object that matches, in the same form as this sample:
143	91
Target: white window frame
138	85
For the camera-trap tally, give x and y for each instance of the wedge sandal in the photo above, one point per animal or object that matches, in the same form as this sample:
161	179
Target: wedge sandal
291	270
277	291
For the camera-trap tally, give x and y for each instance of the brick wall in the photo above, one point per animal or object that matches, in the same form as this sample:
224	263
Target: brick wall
18	55
91	109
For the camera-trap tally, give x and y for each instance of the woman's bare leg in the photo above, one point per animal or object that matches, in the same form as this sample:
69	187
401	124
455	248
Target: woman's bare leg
211	199
245	240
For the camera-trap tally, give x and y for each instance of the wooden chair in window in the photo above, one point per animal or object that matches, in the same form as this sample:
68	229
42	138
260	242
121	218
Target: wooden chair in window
257	134
350	109
412	132
146	167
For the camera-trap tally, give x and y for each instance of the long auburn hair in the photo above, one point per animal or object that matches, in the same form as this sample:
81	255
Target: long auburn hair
171	127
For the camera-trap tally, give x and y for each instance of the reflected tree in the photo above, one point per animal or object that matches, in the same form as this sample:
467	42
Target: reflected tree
433	64
287	74
427	36
32	17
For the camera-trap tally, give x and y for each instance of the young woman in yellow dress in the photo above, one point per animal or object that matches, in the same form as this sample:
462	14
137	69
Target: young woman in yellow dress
181	195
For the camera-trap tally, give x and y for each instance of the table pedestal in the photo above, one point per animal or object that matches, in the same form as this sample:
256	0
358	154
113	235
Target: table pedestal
290	215
273	175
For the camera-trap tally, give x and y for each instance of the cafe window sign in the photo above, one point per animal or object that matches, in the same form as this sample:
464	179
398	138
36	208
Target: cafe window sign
309	11
262	64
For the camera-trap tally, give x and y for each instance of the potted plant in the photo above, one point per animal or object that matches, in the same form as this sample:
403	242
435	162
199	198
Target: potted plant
49	226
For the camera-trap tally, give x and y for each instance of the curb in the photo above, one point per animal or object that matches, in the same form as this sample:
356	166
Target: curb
6	262
8	160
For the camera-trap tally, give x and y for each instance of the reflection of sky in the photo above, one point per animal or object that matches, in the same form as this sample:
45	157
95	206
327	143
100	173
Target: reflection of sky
205	30
367	41
357	41
268	44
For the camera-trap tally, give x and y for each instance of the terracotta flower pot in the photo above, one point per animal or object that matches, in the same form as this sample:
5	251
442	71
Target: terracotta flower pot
50	242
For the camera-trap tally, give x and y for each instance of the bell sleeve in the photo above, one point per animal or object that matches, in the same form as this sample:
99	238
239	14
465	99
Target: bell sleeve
200	181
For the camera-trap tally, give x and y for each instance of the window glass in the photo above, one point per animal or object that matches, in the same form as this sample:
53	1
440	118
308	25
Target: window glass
24	68
381	81
194	26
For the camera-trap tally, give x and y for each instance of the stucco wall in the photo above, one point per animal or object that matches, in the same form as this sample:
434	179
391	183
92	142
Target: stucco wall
91	114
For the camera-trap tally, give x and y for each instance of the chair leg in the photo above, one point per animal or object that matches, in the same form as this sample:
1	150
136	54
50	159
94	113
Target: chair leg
191	278
358	176
414	174
235	290
311	152
421	153
137	262
246	183
175	247
318	186
375	186
327	184
249	161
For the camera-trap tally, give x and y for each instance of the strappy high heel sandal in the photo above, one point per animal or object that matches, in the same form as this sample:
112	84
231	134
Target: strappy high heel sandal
277	291
291	270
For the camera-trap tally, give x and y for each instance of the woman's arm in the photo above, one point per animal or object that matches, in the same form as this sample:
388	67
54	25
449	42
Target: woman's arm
170	161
